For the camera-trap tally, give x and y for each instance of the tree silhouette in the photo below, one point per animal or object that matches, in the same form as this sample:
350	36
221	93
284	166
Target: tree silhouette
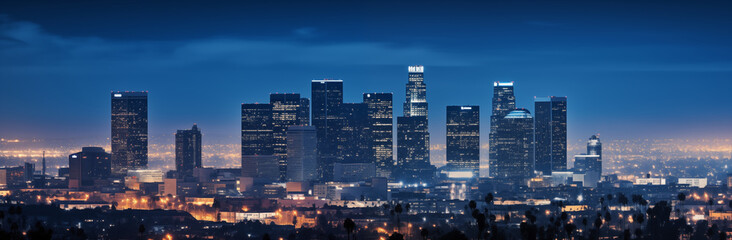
396	236
681	197
398	209
141	230
424	233
349	225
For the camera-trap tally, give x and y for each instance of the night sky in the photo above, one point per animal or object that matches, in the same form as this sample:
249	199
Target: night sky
643	69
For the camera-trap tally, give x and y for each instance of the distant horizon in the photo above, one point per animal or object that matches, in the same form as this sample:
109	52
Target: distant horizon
628	71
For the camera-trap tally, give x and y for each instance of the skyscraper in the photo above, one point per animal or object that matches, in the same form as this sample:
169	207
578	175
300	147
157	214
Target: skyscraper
590	163
416	101
91	164
551	134
129	131
304	112
256	137
187	151
302	164
285	113
327	98
353	138
503	102
380	131
514	146
413	137
463	139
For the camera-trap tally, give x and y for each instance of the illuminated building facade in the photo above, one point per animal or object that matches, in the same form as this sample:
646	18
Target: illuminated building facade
413	137
380	131
286	112
463	139
551	134
129	131
256	137
514	146
87	166
327	98
302	163
187	151
503	102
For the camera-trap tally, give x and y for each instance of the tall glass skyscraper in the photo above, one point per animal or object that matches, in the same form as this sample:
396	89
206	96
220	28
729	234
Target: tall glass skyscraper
590	164
187	151
327	98
514	146
503	102
129	131
302	164
463	139
415	104
413	137
353	137
285	113
380	131
257	140
304	112
551	134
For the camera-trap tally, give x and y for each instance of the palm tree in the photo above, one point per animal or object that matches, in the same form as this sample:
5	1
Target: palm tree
349	225
398	209
141	230
424	233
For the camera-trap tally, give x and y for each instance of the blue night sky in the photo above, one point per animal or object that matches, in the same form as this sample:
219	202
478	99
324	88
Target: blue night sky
644	69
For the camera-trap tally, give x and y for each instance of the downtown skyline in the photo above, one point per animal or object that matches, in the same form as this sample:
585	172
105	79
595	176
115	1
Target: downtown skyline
617	87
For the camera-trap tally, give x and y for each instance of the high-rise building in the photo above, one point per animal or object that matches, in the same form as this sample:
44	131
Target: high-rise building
590	164
256	138
304	112
302	162
503	102
415	104
551	134
87	166
514	147
463	139
380	131
413	137
353	139
129	131
327	98
187	151
285	113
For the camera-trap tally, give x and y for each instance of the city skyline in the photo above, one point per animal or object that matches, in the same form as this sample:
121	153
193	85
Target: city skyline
636	82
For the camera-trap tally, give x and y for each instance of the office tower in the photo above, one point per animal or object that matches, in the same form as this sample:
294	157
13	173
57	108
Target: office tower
302	162
12	177
416	101
503	102
380	131
129	131
256	137
590	164
413	137
187	151
87	166
353	139
463	139
29	170
551	134
594	146
514	146
413	147
285	113
327	98
303	112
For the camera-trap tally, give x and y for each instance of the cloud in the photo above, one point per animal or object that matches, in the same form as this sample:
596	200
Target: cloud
26	46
